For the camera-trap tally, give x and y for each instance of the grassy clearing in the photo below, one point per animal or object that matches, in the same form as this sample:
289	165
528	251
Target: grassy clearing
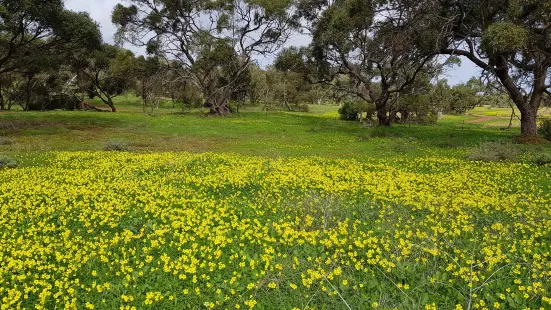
250	133
285	211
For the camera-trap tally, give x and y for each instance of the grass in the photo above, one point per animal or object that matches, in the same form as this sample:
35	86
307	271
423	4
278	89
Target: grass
251	133
268	210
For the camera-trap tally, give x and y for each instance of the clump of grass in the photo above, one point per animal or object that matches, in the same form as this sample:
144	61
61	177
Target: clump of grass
379	132
115	146
5	141
494	151
452	143
542	159
7	162
403	147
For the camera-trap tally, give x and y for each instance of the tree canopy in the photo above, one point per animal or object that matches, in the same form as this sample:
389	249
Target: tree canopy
212	41
509	40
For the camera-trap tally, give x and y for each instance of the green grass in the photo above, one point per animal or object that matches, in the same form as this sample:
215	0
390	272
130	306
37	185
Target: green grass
251	133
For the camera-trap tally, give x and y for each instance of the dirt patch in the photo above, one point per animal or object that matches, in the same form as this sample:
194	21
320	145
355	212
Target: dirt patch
483	119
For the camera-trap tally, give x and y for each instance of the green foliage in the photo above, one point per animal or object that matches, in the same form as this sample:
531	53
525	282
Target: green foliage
542	159
123	15
493	152
302	107
32	29
109	71
7	162
215	55
545	129
351	110
426	117
509	39
504	37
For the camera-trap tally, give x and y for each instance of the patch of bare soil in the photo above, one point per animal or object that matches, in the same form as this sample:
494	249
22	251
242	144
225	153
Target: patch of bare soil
482	119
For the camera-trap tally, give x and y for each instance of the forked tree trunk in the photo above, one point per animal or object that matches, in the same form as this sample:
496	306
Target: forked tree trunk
219	108
217	101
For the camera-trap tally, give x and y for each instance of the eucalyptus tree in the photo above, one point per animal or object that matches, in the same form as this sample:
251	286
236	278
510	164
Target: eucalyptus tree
34	28
509	40
377	44
32	33
109	71
213	41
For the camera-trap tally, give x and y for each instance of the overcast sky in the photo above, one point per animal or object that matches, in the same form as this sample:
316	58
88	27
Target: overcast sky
100	11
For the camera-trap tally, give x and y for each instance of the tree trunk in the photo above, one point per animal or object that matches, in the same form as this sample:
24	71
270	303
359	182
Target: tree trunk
287	105
218	109
383	118
111	104
2	102
528	106
528	115
383	113
528	124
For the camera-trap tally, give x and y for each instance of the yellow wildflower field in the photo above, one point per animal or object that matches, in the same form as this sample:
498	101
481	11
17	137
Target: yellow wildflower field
98	230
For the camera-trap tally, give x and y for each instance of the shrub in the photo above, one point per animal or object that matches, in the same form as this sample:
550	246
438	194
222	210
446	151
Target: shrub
545	129
542	159
426	118
350	110
115	146
494	151
7	162
303	107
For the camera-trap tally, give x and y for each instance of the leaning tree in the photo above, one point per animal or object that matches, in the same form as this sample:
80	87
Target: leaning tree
509	40
108	71
212	41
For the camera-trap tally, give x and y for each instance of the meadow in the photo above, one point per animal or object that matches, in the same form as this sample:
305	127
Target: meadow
268	210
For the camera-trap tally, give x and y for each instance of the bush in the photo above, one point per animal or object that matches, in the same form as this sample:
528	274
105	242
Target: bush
7	162
426	118
115	146
350	110
57	102
545	129
494	151
302	108
542	159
